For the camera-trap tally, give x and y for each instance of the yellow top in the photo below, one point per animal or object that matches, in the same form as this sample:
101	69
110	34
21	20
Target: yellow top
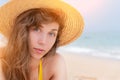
40	71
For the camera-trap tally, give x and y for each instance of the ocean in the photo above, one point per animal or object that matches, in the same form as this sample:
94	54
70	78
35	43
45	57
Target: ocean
101	44
95	42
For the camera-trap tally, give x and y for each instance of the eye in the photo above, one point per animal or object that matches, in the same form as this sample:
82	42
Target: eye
52	34
35	29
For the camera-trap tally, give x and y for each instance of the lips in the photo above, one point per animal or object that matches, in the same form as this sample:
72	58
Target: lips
39	51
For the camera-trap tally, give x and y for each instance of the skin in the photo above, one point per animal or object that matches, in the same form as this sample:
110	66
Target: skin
1	73
44	37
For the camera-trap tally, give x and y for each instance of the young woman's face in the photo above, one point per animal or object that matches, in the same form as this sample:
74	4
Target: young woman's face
42	39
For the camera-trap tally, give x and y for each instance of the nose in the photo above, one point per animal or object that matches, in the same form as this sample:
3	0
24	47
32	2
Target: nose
42	39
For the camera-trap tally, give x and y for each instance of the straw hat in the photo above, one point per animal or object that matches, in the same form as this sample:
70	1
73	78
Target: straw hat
73	25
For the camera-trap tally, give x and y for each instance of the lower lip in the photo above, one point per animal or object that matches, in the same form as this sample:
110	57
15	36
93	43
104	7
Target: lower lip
38	51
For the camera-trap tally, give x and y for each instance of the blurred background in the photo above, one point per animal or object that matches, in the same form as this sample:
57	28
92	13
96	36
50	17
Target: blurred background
96	54
101	35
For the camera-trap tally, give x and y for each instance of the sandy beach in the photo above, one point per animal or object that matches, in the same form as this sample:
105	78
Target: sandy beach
84	67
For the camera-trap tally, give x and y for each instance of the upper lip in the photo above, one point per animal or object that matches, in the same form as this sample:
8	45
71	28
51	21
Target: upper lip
39	49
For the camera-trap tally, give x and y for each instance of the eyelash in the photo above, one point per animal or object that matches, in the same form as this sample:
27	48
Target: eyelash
36	29
52	34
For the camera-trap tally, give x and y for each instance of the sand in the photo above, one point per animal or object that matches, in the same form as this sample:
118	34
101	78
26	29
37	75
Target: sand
86	67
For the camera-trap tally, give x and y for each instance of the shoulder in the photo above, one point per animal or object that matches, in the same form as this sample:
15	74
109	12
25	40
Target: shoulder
57	60
59	63
54	59
54	67
58	67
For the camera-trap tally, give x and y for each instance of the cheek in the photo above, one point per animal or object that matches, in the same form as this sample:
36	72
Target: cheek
50	43
32	39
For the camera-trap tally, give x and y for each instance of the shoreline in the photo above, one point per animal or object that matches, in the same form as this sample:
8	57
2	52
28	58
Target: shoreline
86	67
114	55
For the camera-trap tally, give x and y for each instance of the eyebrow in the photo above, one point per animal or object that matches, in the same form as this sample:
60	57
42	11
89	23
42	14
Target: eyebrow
51	29
54	30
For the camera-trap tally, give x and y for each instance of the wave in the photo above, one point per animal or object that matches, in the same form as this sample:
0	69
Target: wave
105	52
114	53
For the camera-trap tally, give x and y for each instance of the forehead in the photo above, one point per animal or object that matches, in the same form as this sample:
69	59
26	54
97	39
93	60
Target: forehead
51	25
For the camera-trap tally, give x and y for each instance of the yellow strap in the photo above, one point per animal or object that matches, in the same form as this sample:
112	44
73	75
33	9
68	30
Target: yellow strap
40	70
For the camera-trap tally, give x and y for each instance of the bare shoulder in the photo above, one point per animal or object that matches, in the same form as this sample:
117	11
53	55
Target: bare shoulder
59	67
55	59
58	58
54	67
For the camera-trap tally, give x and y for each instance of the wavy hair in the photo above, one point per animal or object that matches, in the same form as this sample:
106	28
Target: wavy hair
16	55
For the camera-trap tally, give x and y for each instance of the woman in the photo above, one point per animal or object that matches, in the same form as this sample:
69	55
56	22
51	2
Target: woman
35	29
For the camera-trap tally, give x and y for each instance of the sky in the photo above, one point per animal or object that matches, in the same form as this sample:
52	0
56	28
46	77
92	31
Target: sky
99	15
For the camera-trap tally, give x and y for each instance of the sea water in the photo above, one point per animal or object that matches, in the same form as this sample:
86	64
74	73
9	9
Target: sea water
102	44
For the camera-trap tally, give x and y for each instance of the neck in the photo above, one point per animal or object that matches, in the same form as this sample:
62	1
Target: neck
34	63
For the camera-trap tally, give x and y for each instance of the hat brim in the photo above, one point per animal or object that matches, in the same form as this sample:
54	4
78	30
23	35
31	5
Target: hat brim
73	25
